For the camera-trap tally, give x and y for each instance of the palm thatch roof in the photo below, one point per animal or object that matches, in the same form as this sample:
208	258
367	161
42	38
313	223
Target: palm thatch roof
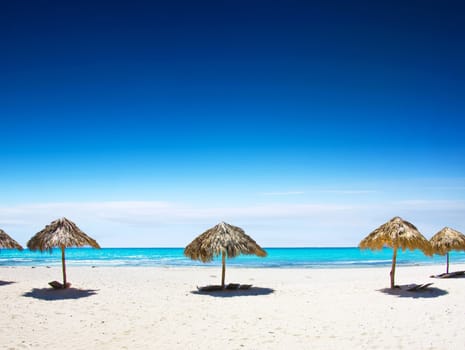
60	233
222	238
7	242
446	240
396	233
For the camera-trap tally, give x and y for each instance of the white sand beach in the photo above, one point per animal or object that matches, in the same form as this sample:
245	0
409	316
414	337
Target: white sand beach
157	308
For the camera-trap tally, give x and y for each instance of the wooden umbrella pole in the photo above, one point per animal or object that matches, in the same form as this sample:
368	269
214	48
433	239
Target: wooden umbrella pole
63	266
393	268
223	272
447	268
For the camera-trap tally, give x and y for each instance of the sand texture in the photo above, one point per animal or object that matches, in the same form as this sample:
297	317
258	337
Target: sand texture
159	308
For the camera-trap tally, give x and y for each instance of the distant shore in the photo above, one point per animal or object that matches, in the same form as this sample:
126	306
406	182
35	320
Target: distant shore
148	308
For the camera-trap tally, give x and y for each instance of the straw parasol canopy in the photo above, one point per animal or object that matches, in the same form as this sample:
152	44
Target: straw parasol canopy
61	233
8	242
446	240
225	240
396	233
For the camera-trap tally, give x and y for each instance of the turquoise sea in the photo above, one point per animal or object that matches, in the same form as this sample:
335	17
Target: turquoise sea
277	257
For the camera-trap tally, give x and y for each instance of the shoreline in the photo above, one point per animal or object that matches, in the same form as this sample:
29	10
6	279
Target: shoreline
70	264
159	307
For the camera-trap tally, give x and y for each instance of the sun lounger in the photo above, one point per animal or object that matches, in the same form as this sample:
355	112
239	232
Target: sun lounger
418	287
449	275
58	285
230	286
209	288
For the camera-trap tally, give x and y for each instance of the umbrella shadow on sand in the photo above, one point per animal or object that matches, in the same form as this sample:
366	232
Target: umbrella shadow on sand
61	294
226	293
403	292
5	283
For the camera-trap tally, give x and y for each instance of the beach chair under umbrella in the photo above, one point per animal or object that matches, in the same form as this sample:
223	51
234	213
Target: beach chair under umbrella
223	239
61	233
396	233
446	240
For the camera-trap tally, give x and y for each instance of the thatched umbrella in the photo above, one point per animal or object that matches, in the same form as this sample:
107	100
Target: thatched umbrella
446	240
61	233
8	242
227	240
396	233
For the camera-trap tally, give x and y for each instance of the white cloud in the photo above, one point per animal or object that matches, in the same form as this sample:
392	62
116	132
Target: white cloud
330	191
158	223
438	205
289	193
447	188
347	191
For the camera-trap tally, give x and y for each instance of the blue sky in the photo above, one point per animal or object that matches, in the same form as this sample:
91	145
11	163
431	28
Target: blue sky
305	122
